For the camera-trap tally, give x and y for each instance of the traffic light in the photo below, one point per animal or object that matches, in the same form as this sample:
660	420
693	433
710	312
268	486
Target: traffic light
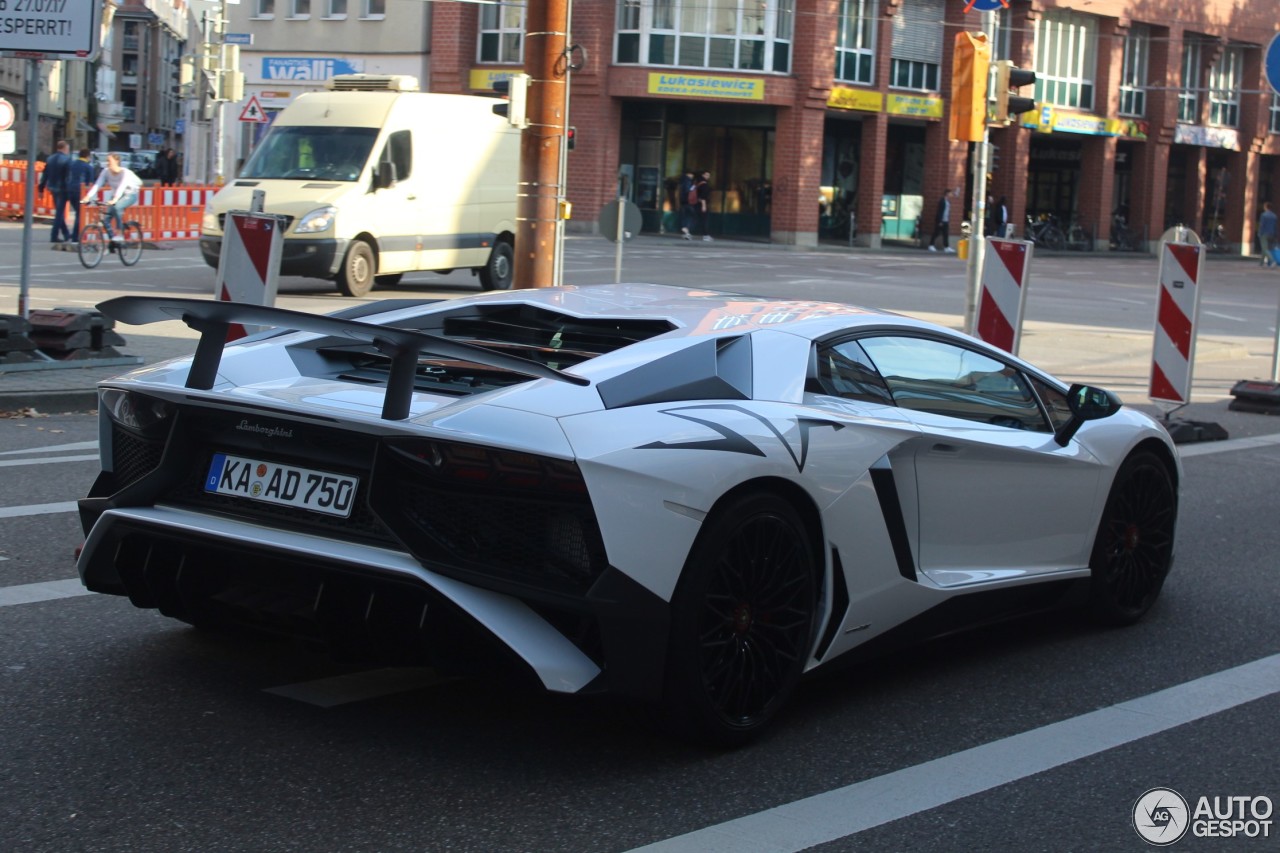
516	90
570	136
970	64
1008	80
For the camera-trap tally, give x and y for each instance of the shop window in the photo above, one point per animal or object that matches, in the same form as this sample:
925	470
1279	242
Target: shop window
502	33
1065	59
743	35
1224	88
917	46
856	41
1189	95
1133	74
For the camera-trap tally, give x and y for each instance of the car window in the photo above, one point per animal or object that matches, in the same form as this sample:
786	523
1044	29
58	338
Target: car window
1055	403
944	379
843	370
400	152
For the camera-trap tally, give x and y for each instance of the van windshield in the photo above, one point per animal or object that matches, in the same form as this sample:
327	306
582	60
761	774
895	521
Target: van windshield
312	153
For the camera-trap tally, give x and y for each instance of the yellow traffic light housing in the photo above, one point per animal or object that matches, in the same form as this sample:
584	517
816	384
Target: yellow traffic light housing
970	65
1008	80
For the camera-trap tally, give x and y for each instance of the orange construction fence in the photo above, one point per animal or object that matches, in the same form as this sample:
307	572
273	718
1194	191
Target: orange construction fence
165	213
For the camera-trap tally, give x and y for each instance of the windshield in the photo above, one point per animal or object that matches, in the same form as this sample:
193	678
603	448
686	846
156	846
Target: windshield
312	153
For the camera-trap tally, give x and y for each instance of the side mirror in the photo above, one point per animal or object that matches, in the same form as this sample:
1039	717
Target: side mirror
386	175
1087	403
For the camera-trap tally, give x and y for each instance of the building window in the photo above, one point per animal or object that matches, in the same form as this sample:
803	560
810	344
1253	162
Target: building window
746	35
502	33
1224	88
1189	95
1274	126
375	9
335	9
264	8
1065	58
299	8
917	46
1133	76
856	42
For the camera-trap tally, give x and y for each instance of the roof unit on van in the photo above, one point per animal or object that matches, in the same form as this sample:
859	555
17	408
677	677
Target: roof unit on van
373	83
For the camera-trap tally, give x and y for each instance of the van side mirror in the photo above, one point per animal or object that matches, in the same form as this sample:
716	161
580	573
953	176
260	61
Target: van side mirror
386	175
1087	403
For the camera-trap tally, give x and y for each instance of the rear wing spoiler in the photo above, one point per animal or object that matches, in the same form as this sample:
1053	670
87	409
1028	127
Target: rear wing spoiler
212	319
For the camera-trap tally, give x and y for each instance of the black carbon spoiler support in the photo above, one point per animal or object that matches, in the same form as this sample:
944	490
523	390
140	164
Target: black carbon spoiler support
212	319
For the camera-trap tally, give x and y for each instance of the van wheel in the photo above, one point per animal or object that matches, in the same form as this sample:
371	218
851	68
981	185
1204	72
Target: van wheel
358	269
389	279
497	273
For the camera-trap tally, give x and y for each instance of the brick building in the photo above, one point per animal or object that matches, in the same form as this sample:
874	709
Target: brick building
811	112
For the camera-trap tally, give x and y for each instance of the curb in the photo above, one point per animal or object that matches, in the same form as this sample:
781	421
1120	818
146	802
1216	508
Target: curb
47	402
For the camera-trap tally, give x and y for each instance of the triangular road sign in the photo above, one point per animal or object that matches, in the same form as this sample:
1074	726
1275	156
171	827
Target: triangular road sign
253	111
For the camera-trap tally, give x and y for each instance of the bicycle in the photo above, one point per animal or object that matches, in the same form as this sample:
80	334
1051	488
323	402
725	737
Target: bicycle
94	242
1078	239
1217	241
1045	232
1123	238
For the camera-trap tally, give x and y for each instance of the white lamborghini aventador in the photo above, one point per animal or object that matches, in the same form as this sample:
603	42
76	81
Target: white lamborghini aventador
686	497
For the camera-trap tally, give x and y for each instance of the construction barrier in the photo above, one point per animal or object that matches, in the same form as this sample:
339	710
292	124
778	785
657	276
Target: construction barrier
1004	277
1177	312
165	213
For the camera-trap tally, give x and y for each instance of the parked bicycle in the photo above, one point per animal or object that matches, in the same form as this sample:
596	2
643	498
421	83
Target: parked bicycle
1045	232
96	242
1217	239
1078	239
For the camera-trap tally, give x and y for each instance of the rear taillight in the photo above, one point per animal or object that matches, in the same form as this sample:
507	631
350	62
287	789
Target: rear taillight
503	469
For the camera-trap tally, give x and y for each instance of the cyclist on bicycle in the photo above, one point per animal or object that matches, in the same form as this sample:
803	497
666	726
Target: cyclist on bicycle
122	189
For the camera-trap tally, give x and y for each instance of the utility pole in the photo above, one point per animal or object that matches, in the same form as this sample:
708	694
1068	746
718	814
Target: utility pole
211	78
542	145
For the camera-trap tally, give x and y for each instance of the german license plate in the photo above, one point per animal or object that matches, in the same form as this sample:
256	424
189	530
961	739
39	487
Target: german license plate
318	491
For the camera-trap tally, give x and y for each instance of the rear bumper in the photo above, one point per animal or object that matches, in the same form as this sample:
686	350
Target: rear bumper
307	258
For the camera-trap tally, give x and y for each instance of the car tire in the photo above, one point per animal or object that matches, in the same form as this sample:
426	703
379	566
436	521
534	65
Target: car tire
388	280
358	270
1134	546
498	272
742	622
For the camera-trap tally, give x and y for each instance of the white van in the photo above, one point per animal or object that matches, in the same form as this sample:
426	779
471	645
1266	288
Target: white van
375	180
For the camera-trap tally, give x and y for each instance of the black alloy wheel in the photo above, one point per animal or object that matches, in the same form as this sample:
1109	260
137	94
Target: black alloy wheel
743	621
1134	547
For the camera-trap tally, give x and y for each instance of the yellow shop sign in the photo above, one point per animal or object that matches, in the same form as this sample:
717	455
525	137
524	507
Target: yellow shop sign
842	98
704	86
917	106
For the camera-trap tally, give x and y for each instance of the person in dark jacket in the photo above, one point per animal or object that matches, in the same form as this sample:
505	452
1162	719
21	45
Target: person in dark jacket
79	176
703	188
167	168
54	179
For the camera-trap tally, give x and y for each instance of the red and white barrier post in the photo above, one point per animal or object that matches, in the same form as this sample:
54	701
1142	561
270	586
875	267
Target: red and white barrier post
1177	313
249	266
1006	270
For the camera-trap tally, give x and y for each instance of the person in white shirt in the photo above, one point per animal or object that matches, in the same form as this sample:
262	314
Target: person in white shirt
122	192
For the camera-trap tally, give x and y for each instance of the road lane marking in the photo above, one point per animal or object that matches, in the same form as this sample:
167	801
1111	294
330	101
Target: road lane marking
30	593
845	811
51	448
1224	316
37	509
359	686
14	463
1208	447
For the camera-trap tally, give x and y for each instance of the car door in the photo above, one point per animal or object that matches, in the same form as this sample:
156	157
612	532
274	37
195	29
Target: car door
394	208
998	498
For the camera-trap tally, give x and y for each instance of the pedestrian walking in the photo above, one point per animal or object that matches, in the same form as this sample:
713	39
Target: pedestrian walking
1267	235
79	176
942	223
704	205
688	204
54	179
167	168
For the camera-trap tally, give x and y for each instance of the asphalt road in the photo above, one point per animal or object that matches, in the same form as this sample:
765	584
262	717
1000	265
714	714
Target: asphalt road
126	731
